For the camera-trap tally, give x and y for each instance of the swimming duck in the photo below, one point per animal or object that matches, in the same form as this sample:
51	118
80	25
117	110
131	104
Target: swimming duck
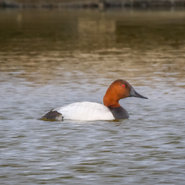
91	111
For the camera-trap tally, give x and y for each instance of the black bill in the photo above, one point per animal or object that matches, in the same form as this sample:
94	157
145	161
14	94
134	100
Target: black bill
133	93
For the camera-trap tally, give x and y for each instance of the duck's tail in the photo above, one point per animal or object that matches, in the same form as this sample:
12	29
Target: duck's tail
52	115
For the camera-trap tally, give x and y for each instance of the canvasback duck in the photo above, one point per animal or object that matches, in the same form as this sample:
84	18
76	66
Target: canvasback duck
91	111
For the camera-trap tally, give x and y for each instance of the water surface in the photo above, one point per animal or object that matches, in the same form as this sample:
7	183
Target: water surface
52	58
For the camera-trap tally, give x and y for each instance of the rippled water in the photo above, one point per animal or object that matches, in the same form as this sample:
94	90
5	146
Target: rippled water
52	58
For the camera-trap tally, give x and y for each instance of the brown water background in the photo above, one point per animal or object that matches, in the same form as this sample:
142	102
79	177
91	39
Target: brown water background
49	58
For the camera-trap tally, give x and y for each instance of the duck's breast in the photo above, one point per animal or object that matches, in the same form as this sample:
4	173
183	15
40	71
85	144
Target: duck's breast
85	111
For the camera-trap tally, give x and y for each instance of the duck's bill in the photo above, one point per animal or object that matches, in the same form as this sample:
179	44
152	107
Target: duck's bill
133	93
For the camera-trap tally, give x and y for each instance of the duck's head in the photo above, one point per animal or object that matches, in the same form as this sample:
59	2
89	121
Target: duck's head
119	89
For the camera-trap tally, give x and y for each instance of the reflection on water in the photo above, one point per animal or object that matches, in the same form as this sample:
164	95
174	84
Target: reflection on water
90	30
51	58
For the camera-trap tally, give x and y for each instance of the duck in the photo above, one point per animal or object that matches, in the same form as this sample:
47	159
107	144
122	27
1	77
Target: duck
92	111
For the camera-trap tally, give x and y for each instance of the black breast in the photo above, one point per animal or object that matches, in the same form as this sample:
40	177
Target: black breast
119	112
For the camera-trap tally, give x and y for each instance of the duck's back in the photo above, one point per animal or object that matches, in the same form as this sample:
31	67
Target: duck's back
85	111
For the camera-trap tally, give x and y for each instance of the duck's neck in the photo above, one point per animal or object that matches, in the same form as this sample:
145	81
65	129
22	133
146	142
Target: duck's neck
111	100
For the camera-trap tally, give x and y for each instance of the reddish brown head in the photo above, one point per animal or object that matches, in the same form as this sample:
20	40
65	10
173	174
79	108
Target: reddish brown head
117	90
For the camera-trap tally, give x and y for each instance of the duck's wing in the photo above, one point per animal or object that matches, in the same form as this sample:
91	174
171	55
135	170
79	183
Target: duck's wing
85	111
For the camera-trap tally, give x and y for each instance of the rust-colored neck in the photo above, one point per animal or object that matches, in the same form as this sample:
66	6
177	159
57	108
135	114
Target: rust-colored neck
110	102
111	98
116	91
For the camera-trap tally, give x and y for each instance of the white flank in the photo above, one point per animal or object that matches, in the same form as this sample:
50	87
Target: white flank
85	111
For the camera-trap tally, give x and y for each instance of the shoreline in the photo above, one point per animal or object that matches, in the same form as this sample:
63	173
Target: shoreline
124	4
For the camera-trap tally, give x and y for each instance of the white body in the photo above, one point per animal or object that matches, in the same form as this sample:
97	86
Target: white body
85	111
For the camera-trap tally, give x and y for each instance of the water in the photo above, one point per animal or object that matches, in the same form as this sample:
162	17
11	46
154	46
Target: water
52	58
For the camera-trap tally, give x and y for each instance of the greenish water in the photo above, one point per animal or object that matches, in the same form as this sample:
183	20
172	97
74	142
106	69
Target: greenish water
52	58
